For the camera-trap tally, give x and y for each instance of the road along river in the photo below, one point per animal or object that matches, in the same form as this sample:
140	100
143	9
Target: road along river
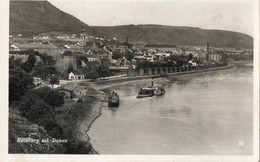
209	113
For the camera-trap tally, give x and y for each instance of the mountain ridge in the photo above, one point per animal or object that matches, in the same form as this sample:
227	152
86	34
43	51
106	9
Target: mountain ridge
48	18
182	35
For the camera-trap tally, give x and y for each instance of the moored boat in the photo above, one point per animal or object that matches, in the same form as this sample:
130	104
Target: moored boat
113	99
145	92
153	90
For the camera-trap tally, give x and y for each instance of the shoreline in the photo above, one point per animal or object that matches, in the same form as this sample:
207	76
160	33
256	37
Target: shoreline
98	105
85	124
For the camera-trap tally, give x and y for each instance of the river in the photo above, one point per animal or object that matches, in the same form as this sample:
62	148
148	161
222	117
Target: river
210	113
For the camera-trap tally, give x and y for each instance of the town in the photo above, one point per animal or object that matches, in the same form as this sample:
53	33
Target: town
82	56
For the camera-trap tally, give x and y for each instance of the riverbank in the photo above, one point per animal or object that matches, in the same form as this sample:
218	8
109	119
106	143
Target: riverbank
76	118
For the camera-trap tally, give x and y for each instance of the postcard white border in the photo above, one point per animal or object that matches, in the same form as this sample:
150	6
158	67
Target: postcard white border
4	35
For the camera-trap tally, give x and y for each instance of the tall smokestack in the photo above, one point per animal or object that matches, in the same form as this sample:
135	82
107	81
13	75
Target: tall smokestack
207	53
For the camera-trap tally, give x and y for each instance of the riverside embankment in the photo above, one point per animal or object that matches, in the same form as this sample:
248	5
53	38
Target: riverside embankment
106	83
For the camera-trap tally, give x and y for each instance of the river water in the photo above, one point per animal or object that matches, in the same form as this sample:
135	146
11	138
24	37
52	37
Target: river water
210	113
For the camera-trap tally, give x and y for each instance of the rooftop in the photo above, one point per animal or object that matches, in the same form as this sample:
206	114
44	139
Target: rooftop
35	46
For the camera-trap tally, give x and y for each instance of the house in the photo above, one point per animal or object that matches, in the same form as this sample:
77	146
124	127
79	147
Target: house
214	56
74	48
49	49
76	75
13	47
93	58
89	52
192	63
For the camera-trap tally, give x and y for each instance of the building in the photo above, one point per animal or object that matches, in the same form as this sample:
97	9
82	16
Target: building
76	76
83	35
49	49
93	45
63	63
74	48
161	47
93	58
214	56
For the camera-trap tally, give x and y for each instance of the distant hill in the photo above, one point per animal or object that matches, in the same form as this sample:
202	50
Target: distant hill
34	17
178	35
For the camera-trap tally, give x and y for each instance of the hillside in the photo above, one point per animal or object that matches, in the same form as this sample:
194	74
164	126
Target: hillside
178	35
34	17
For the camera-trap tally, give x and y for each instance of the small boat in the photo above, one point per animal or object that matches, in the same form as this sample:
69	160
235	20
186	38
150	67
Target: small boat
153	90
159	91
113	99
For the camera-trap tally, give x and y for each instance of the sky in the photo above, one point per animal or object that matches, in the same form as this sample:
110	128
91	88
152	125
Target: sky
221	15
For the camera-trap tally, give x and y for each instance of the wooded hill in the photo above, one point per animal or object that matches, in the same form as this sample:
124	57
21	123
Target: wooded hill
157	34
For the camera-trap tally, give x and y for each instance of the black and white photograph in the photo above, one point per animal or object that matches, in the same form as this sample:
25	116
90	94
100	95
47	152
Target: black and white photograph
164	80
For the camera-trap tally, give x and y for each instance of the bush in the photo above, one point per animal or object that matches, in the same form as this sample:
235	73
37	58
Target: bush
92	75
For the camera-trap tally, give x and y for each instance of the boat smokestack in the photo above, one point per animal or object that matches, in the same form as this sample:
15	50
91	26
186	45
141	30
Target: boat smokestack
152	82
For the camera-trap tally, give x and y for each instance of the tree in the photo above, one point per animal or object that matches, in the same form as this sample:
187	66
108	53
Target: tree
19	83
70	69
79	63
26	67
190	56
117	55
47	60
14	63
103	71
43	71
67	53
51	97
34	109
129	55
31	59
54	80
39	112
91	75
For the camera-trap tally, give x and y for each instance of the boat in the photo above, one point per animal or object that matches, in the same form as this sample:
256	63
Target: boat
113	99
145	92
150	91
159	91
